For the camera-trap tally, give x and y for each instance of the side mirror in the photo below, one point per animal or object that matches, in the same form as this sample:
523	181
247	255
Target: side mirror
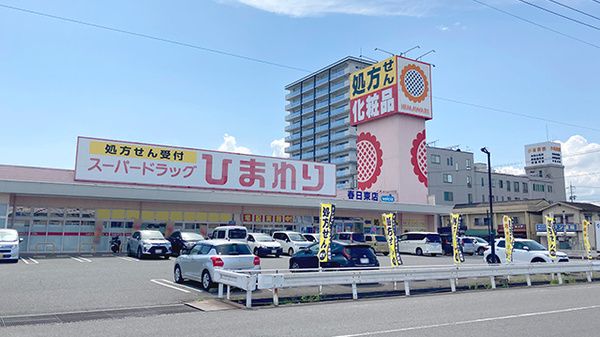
287	240
525	248
20	240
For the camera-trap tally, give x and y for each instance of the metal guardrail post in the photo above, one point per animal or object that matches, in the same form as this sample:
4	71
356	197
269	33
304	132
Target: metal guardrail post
528	278
220	292
588	274
354	291
248	298
493	282
560	279
407	288
453	285
228	291
276	297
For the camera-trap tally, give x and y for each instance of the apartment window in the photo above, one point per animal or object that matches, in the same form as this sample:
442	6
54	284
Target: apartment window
540	173
549	189
470	198
469	185
516	185
450	161
494	183
517	198
508	198
482	182
447	178
525	188
539	187
468	164
501	183
477	222
508	185
502	198
448	196
436	159
482	198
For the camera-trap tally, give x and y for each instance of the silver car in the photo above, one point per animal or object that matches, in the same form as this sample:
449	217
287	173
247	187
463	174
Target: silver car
206	256
148	243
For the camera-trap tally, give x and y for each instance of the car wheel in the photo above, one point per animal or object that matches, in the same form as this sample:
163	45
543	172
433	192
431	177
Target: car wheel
295	265
537	260
291	251
433	254
419	251
480	250
492	259
255	251
277	255
386	254
139	254
177	276
166	257
206	280
14	261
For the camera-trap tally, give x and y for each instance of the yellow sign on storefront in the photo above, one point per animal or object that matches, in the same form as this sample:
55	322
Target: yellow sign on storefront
132	150
373	78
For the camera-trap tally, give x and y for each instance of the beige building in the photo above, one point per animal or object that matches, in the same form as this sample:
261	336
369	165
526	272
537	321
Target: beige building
572	214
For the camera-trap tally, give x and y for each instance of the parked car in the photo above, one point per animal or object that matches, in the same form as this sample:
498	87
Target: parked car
261	245
230	233
291	242
378	242
524	251
183	240
148	243
473	245
446	243
349	237
312	237
420	243
9	245
343	255
200	263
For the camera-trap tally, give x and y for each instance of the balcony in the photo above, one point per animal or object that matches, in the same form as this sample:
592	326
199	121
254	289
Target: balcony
308	121
308	155
308	109
340	98
307	87
293	93
308	144
291	138
308	98
322	104
322	80
340	148
341	110
338	123
342	135
321	152
322	140
344	160
292	104
292	126
339	73
344	84
322	116
321	93
292	116
293	148
343	173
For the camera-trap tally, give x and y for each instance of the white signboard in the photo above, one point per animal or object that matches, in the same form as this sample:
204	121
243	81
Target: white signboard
597	236
414	88
101	160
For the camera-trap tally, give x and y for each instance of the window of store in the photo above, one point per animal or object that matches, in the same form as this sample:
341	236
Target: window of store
436	159
447	178
448	196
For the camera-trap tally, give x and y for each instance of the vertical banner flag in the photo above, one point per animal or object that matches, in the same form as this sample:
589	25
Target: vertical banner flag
458	255
389	227
586	239
551	231
509	238
325	221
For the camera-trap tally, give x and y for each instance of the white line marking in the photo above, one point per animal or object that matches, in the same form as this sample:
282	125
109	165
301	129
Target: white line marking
85	260
169	286
34	261
26	262
76	259
127	259
180	285
488	319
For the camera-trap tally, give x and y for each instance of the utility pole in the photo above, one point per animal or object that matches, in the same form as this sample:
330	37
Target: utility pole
572	195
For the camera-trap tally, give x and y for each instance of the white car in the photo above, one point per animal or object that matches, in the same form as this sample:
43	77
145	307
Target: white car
525	251
262	244
291	242
230	233
420	243
9	245
312	237
148	243
473	245
206	256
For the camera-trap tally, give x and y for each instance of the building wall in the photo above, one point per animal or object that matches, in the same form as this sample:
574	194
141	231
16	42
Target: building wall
575	217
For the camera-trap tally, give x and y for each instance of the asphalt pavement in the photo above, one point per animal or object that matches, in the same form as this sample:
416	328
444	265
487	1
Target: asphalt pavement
568	310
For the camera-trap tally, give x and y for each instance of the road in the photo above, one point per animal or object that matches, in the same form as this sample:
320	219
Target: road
569	310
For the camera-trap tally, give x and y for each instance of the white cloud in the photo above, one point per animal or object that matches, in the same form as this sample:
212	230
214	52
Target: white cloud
230	145
278	148
303	8
582	160
455	26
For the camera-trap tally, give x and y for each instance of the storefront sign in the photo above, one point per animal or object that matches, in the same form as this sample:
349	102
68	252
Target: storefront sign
325	221
551	237
110	161
267	218
396	85
586	239
559	227
509	238
387	198
457	252
363	195
389	228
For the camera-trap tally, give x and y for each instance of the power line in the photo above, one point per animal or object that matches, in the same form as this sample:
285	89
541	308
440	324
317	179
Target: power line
152	37
574	9
515	113
560	15
539	25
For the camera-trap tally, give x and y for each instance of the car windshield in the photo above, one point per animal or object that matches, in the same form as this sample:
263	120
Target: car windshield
360	251
192	236
152	235
434	238
237	234
263	238
480	240
233	249
360	237
380	238
8	235
533	245
296	237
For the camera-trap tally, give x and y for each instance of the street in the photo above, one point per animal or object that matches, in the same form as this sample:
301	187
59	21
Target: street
551	310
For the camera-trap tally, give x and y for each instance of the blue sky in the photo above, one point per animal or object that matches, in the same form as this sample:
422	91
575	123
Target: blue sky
60	80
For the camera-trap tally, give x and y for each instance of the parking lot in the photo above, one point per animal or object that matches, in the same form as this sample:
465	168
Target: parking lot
77	283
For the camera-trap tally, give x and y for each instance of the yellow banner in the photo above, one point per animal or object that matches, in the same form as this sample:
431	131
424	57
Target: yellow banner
457	253
129	150
509	238
325	222
372	78
389	228
551	232
586	239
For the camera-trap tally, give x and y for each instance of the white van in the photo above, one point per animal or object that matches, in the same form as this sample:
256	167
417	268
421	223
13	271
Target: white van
291	242
239	233
420	243
9	245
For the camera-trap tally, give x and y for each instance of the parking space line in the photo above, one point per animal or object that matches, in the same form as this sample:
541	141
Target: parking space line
128	259
23	259
84	259
169	286
180	285
34	261
81	259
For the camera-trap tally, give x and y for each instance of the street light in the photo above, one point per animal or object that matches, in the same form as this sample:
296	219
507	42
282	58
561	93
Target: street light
491	218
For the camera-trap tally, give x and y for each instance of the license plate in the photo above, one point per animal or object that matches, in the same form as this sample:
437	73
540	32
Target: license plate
364	260
274	251
159	250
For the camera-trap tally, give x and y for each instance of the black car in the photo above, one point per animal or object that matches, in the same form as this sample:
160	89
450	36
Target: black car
343	255
447	244
183	240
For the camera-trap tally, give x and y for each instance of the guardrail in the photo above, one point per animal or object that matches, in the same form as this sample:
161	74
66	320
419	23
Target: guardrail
274	280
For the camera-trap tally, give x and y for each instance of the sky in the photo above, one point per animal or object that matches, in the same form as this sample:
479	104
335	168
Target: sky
60	80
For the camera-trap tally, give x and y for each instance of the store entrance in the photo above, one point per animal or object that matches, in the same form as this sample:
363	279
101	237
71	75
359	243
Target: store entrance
157	226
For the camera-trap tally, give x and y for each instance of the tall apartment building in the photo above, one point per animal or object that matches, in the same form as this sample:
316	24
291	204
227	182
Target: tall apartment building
453	179
318	116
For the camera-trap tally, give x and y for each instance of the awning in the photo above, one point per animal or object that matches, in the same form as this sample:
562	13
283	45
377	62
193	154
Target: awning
479	232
